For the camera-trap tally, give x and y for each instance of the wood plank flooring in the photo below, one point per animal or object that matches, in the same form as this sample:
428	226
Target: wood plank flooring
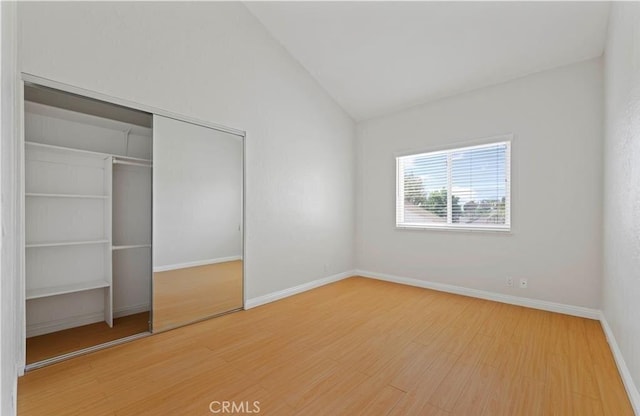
355	347
51	345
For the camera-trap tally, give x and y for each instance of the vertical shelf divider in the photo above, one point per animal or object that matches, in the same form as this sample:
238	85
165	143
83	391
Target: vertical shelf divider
108	232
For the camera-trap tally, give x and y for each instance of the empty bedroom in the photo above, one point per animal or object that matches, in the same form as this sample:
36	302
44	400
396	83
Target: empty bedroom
320	208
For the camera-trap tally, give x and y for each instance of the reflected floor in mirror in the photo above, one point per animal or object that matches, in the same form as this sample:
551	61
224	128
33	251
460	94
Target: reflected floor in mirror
43	347
193	293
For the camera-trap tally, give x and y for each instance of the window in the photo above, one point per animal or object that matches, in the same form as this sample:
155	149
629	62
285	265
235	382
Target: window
463	188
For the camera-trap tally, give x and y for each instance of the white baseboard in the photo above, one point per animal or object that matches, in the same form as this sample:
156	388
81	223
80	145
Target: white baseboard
482	294
74	321
281	294
625	374
195	263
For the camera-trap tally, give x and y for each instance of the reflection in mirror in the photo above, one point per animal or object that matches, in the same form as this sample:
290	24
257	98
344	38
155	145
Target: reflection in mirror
197	232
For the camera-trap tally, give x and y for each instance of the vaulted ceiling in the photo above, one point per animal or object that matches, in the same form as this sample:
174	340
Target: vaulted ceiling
376	58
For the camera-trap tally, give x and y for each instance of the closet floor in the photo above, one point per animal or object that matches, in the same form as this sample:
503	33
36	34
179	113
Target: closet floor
51	345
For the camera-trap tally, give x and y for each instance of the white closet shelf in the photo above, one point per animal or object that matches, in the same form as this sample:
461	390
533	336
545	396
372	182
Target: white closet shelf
85	152
66	243
33	194
116	161
125	247
63	289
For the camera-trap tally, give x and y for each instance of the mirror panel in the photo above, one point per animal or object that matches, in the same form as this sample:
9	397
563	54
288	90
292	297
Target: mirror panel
197	223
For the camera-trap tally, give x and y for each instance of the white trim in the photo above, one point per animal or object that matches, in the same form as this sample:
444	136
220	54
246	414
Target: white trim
19	238
481	294
75	321
285	293
632	391
450	227
457	144
195	263
243	222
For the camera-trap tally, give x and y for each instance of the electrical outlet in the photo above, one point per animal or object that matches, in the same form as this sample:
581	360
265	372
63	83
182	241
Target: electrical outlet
510	281
524	283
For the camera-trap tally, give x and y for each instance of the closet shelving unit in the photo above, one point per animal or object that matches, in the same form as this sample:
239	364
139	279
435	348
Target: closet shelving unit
134	163
68	206
131	248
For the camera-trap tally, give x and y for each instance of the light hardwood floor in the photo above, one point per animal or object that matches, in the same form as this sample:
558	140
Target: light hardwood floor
51	345
193	293
355	347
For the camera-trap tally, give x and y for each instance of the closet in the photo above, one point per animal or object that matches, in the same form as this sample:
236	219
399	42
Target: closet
87	207
133	220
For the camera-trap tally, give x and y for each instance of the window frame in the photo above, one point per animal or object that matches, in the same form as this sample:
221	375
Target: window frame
507	228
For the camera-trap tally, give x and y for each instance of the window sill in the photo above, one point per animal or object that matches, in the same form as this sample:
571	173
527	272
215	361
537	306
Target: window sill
459	229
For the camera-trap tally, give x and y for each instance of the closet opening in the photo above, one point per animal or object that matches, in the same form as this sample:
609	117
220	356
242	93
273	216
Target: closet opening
88	223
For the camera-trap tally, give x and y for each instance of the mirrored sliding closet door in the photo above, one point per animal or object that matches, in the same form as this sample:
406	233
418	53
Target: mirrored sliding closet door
197	229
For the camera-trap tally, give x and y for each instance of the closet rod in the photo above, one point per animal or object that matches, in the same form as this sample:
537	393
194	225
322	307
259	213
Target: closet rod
124	162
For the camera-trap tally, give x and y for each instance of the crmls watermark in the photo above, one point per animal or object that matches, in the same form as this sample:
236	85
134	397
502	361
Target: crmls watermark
230	407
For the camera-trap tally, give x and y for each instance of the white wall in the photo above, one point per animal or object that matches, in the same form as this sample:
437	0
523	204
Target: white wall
216	62
556	119
621	283
10	333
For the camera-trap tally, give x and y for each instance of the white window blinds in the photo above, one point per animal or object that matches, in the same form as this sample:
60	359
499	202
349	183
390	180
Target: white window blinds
466	187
